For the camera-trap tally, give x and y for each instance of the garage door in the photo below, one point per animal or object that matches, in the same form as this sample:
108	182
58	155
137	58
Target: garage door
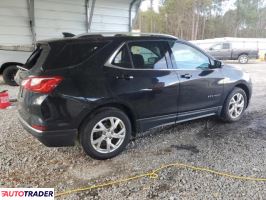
111	15
52	17
14	20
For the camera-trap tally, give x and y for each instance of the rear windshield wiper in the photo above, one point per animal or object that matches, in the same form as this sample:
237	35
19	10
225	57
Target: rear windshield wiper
22	68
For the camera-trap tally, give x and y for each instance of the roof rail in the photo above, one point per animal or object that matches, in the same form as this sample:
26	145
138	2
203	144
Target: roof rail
89	35
121	34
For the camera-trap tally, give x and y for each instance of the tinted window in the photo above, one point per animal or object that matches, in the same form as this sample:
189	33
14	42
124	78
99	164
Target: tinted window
187	57
122	58
72	54
226	46
33	58
149	54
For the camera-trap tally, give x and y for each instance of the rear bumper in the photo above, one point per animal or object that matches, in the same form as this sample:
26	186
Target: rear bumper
52	138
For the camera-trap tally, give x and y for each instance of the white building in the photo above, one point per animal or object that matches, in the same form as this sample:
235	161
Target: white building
23	22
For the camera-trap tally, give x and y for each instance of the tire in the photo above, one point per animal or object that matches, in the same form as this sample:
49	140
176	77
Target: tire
227	114
243	59
94	137
9	75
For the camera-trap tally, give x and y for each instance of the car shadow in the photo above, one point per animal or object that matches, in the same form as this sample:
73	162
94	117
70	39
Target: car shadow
251	124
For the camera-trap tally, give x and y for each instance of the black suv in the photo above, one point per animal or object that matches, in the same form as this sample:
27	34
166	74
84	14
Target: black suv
102	90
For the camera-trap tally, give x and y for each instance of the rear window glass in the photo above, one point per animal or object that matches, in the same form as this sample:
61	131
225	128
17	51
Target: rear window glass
33	58
72	54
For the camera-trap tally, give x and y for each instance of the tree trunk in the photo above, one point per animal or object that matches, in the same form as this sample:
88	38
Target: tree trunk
193	22
203	28
196	27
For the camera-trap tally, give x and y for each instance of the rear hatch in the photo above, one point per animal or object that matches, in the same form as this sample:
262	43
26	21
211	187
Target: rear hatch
26	99
58	55
35	58
46	68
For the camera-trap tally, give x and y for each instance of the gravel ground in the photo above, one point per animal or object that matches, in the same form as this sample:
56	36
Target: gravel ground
12	91
238	148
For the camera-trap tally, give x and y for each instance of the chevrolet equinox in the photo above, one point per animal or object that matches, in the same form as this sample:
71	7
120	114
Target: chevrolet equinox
101	90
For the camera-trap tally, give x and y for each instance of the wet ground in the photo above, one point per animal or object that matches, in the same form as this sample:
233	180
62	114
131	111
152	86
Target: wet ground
238	148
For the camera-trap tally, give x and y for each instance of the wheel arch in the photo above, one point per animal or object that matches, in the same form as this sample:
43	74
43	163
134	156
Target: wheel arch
242	53
246	90
128	111
5	65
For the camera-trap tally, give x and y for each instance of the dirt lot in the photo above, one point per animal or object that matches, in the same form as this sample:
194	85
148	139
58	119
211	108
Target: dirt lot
238	148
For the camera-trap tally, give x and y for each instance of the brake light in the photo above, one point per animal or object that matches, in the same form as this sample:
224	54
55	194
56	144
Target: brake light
41	84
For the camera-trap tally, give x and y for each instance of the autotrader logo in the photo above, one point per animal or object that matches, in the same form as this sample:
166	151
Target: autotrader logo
27	193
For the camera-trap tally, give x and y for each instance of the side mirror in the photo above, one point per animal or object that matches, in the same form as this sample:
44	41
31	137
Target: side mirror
216	64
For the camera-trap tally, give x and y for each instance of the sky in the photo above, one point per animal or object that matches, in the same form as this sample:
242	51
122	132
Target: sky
145	4
156	4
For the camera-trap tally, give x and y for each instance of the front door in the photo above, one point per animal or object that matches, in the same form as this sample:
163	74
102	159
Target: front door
141	77
221	51
201	88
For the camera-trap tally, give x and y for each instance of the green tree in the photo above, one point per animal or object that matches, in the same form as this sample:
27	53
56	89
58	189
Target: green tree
200	19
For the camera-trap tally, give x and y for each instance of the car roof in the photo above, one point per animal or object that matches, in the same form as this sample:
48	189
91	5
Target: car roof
121	36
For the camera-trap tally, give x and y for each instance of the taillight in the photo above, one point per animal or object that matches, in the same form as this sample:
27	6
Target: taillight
39	127
41	84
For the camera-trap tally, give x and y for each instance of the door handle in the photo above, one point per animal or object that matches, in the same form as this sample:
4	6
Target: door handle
187	76
129	77
125	77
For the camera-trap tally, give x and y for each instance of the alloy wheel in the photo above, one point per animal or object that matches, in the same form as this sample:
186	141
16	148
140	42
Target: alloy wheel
236	105
243	59
108	135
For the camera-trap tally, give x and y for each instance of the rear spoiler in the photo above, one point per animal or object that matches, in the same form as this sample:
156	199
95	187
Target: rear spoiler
66	34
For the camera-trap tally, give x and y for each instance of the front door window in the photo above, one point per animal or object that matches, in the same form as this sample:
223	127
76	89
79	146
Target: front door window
187	57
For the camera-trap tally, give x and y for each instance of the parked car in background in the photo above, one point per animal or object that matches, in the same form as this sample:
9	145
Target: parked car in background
225	51
9	60
102	90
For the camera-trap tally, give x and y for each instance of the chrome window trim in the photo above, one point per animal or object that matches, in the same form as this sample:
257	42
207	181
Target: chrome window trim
108	63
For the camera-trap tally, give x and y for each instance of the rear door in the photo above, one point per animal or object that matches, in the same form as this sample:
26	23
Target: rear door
140	76
201	88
